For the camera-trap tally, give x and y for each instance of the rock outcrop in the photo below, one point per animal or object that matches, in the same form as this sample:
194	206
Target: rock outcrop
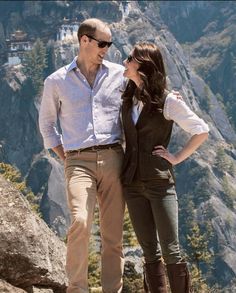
31	255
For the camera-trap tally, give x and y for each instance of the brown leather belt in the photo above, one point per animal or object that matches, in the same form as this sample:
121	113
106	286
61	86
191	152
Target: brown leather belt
96	148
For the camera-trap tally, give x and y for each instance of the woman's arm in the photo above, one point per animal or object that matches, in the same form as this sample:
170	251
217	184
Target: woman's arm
193	143
177	110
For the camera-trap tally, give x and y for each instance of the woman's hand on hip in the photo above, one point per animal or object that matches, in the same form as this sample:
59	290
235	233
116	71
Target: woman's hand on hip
159	150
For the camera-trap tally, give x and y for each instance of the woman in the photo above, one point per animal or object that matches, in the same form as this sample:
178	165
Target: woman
148	113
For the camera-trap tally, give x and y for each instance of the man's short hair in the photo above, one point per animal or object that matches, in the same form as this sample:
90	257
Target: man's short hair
89	27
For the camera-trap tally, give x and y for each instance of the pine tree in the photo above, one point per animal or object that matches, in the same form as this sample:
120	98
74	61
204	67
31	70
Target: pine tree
34	65
206	101
198	251
229	193
222	161
198	243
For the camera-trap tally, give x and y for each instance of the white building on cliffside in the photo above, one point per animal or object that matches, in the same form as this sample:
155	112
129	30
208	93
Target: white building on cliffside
68	30
17	46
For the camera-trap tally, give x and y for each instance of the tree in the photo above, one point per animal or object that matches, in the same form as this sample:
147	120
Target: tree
197	282
206	101
222	162
34	65
198	252
198	244
229	193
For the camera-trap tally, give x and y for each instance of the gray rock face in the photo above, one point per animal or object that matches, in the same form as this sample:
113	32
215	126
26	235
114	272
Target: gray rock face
32	9
224	225
211	46
30	253
184	12
224	222
54	203
19	116
8	288
3	46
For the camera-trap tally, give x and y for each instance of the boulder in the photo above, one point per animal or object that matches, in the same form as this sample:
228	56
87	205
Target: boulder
31	255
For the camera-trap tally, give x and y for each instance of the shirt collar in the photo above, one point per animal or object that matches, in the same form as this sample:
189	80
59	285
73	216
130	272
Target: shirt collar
73	65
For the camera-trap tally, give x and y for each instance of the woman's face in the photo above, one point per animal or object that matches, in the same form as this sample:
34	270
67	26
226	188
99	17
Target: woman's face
131	68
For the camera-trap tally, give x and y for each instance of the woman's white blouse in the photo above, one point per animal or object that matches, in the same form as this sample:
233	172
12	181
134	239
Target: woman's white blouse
175	109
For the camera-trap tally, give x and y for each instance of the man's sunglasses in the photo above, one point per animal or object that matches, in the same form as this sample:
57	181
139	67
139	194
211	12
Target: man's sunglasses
101	44
129	58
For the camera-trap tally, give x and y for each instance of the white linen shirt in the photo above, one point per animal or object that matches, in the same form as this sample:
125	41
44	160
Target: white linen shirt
87	116
177	110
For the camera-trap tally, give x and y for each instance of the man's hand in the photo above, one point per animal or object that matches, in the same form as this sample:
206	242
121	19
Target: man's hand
177	94
59	151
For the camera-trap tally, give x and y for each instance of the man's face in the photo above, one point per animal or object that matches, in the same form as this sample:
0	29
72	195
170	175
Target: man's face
94	53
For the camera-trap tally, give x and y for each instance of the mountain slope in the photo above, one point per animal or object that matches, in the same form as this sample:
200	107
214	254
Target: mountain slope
210	171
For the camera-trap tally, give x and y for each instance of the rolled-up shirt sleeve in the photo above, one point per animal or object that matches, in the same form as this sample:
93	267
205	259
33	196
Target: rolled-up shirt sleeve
48	115
176	109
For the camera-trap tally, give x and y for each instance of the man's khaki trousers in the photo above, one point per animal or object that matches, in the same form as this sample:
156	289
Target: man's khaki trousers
92	175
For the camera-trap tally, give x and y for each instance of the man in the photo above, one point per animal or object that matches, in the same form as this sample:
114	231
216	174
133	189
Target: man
85	97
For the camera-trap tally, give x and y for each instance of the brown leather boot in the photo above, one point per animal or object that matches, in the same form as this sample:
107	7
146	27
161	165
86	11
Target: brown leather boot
179	278
155	278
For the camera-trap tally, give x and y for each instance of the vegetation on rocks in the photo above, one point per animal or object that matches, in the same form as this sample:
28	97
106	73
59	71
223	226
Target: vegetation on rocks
13	174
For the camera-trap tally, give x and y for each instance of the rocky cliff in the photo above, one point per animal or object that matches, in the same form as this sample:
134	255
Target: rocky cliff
131	21
210	42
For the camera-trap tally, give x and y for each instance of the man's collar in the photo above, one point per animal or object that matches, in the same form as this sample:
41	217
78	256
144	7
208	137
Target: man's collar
73	65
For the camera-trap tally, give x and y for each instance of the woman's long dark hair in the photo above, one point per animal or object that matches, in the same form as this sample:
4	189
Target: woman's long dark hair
153	75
